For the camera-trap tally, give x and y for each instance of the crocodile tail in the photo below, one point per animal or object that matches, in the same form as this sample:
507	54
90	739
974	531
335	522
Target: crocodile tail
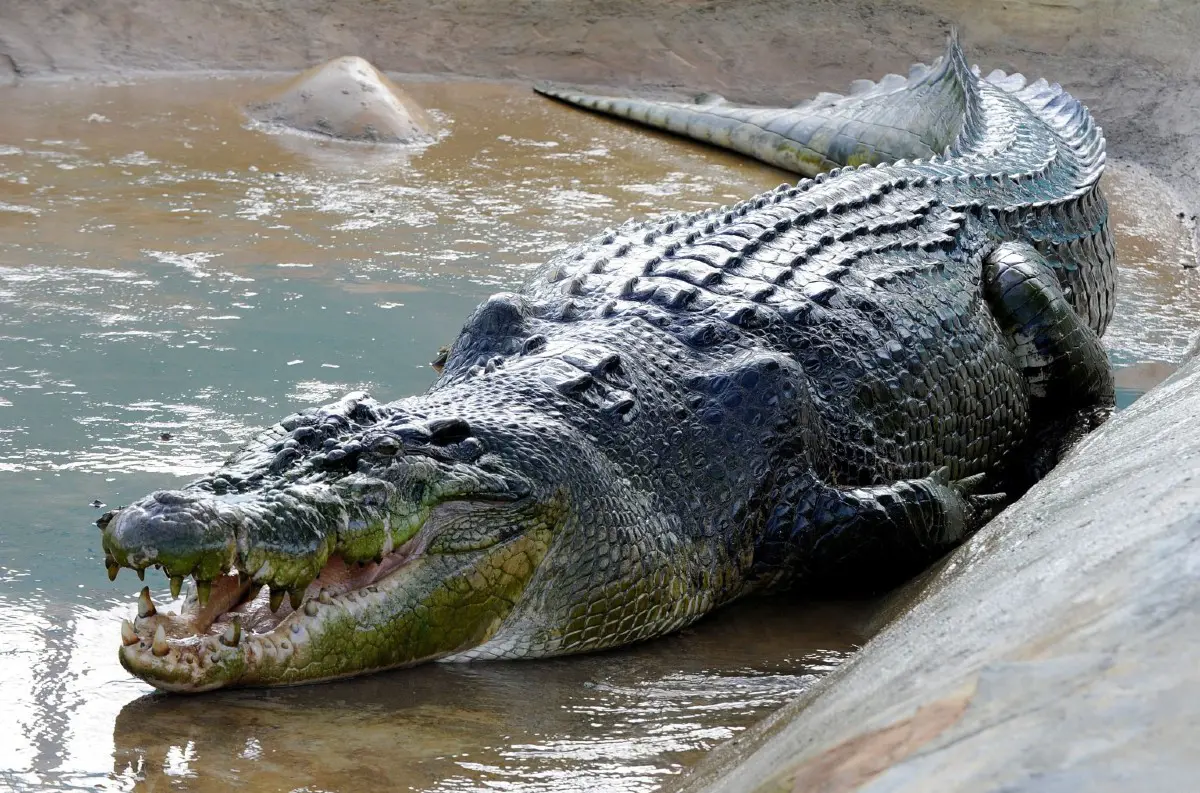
933	108
1066	115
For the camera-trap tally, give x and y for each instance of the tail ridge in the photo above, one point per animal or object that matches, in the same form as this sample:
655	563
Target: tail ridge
915	117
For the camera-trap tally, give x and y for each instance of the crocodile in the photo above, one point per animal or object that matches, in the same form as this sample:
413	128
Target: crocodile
822	387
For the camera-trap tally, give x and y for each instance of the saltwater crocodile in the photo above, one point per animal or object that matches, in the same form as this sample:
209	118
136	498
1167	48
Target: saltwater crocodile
827	384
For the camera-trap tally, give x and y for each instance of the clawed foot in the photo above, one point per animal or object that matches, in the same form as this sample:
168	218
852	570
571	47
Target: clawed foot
975	508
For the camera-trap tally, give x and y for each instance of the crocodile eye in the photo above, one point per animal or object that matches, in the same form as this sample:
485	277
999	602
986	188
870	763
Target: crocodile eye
385	446
443	432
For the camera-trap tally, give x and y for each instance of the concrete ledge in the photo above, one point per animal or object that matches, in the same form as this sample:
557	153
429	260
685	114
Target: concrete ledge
1056	651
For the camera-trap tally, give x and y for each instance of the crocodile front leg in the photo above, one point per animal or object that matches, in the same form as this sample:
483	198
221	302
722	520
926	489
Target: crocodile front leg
855	539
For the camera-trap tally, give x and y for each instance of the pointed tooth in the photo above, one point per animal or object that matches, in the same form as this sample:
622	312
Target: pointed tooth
295	597
253	593
203	590
141	571
310	608
128	634
176	585
276	599
113	569
160	646
233	634
145	604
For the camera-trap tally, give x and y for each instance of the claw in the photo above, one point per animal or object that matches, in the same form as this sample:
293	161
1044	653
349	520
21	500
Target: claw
128	634
160	646
146	605
970	484
276	599
233	634
176	585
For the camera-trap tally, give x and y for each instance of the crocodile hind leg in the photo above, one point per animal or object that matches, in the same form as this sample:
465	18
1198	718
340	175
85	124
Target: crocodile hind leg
867	539
1070	379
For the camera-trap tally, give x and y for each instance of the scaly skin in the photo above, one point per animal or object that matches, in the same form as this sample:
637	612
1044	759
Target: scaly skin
826	384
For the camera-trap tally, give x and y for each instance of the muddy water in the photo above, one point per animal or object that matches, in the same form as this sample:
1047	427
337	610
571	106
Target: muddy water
171	279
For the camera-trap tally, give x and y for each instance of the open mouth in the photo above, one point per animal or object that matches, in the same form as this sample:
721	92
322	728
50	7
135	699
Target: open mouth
241	623
444	589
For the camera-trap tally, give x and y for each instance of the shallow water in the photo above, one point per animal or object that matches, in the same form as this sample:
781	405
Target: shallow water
171	279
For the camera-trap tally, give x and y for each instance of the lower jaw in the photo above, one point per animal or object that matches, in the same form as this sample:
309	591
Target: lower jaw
240	641
428	606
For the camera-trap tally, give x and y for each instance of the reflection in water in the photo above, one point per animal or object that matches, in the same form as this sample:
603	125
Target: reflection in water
621	720
172	278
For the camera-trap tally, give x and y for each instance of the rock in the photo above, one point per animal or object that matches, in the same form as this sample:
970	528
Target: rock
1056	650
348	99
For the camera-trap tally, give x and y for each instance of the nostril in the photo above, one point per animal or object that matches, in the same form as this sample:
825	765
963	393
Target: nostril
444	432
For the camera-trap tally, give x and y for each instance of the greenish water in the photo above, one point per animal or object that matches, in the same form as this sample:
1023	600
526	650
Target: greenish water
171	279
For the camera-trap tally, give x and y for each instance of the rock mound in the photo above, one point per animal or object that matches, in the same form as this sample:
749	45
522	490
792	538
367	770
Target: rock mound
347	99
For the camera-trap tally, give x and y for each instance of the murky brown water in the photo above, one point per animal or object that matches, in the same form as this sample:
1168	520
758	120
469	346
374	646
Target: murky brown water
166	269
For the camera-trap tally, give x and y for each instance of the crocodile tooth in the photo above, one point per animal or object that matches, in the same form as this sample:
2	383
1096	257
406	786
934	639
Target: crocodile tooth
141	573
113	569
145	604
276	599
295	596
176	585
325	597
203	590
128	634
310	608
233	634
160	647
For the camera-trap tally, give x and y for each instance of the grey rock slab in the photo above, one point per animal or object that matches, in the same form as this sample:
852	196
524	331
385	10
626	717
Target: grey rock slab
1057	650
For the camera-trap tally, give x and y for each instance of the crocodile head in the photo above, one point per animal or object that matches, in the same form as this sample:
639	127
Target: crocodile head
346	539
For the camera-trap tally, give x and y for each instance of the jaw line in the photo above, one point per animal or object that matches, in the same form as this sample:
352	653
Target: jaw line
194	644
197	660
